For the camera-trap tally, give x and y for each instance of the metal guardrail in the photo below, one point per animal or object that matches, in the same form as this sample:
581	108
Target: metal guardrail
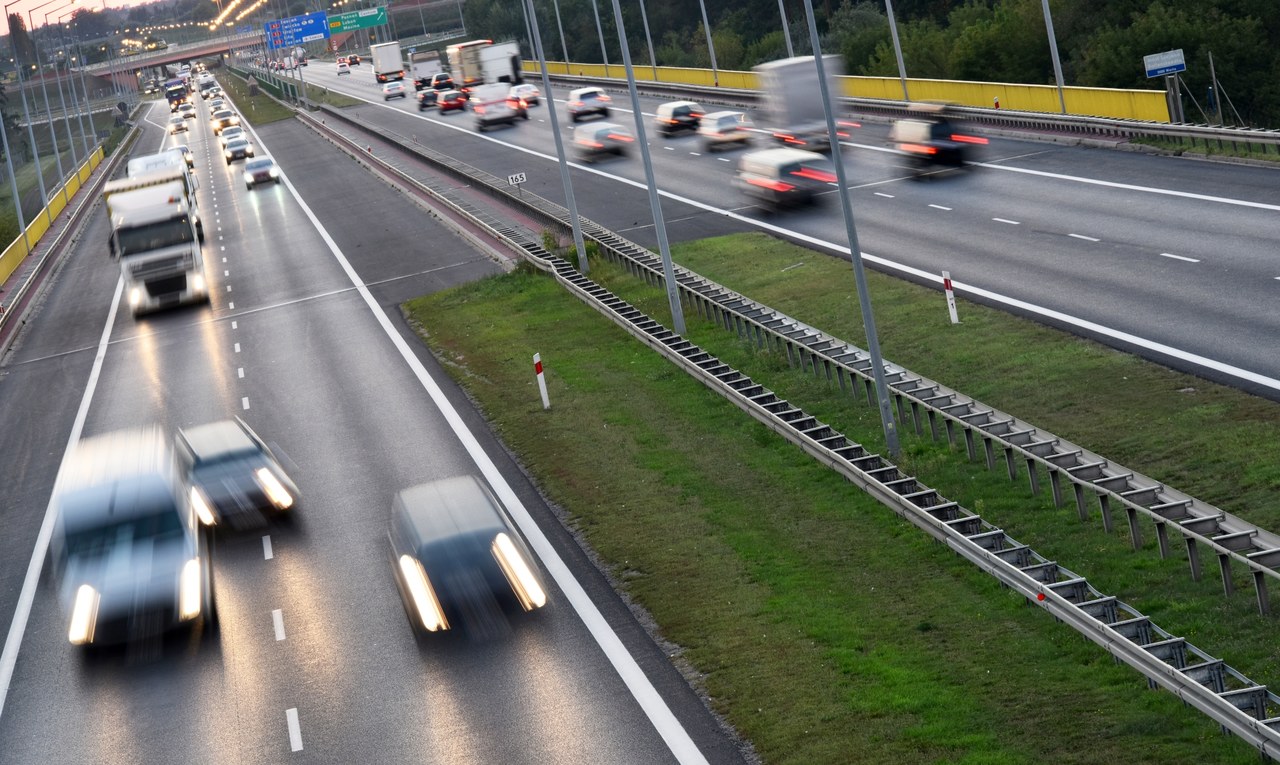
1251	140
1238	704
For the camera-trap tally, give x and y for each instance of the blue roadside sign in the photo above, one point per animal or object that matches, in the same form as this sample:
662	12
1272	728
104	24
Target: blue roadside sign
1169	62
295	30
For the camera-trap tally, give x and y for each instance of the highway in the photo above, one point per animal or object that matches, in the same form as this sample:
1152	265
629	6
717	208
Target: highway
314	659
1165	256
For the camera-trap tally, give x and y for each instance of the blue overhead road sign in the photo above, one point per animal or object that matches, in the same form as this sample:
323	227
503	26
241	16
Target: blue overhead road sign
295	30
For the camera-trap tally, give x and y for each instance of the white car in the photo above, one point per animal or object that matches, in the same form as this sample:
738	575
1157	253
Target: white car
230	133
392	90
177	124
585	101
526	94
344	67
260	170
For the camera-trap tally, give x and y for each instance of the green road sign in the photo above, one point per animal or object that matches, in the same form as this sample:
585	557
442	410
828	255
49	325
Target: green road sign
353	20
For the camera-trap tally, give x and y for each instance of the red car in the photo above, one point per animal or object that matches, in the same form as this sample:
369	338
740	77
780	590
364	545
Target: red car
452	101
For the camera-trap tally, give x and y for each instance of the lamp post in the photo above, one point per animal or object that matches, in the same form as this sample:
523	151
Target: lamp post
13	183
84	91
53	133
31	133
66	121
653	62
604	56
711	47
563	47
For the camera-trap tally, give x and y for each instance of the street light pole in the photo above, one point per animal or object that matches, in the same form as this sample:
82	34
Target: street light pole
66	121
653	61
595	11
855	253
711	47
563	47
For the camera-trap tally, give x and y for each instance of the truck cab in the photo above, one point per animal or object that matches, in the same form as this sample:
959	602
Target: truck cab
153	235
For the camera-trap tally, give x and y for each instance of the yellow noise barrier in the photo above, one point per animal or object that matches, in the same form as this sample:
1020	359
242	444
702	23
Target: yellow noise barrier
17	252
1147	105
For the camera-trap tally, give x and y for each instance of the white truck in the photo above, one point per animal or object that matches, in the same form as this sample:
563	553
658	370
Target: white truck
491	105
480	61
423	65
175	160
153	235
388	64
791	104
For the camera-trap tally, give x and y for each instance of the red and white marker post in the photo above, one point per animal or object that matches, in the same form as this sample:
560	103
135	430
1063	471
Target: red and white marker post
542	383
951	297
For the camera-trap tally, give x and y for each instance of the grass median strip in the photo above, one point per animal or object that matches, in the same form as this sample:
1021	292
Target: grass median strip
822	626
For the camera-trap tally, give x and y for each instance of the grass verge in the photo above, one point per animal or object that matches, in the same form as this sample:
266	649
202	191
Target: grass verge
825	629
258	109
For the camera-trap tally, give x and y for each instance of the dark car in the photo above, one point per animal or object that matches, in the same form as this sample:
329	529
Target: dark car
452	101
930	139
456	557
427	99
590	142
235	477
354	59
259	170
237	148
677	116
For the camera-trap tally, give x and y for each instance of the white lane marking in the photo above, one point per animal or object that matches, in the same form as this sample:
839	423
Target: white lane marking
244	401
1132	187
668	148
224	260
223	247
231	306
295	730
22	612
238	344
647	697
726	159
1178	257
267	554
1077	236
997	220
236	325
939	207
240	371
228	273
696	154
878	193
277	621
995	297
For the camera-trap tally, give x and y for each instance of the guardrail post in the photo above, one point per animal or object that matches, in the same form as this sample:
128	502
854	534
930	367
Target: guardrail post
1193	556
915	418
1055	487
933	424
1162	539
990	452
1224	568
1081	509
1135	531
951	432
1260	585
902	414
1033	476
871	391
969	451
1011	463
1104	507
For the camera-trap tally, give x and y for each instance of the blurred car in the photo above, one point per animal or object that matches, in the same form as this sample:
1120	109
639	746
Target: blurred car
526	94
188	111
354	59
393	89
177	124
237	148
587	101
929	138
437	81
343	67
235	478
454	552
343	60
781	178
235	131
186	154
130	557
223	119
723	129
452	101
217	104
677	116
260	170
601	138
427	99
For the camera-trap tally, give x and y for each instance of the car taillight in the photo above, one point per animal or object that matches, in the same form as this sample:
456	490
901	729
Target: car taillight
916	148
618	137
969	139
575	104
771	185
814	175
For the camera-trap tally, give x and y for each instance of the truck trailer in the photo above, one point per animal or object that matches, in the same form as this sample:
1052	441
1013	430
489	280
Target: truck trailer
423	65
791	103
388	64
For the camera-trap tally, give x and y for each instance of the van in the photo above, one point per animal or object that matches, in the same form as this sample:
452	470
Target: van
781	178
929	138
490	105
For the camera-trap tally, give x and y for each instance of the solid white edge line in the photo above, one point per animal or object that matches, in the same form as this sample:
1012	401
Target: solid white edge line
940	207
277	622
1086	238
646	696
1178	257
267	554
22	612
1006	220
295	730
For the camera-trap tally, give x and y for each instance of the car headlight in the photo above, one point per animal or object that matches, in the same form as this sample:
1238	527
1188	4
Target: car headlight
519	575
84	616
189	590
202	508
276	492
248	178
424	597
227	154
274	173
197	283
135	297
